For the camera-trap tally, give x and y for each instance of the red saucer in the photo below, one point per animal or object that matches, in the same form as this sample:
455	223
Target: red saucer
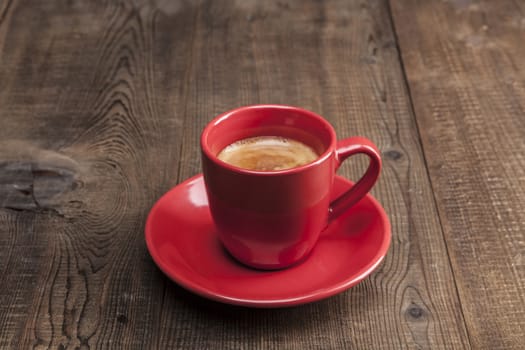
181	238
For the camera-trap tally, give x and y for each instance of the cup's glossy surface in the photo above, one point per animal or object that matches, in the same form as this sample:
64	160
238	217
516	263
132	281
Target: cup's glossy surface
272	220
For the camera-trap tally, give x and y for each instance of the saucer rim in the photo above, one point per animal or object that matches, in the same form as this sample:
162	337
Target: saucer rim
313	296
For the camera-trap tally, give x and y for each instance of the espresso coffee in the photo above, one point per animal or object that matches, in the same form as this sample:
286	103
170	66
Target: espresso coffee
267	153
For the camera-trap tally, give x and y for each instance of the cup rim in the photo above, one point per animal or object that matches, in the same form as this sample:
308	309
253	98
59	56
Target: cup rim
322	158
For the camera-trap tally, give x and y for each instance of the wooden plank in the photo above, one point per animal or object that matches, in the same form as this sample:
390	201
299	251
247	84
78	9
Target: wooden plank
338	58
466	68
101	106
89	138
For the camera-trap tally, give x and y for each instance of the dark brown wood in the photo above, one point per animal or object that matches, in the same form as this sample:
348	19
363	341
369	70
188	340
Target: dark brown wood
466	68
84	150
101	107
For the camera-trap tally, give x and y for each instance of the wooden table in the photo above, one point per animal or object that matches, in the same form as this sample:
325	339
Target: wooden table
101	107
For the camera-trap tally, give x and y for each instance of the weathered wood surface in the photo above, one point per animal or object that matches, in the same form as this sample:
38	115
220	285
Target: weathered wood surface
465	63
101	106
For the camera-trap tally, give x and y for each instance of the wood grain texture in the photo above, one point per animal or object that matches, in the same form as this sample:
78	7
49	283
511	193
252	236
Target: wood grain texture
101	106
84	129
465	65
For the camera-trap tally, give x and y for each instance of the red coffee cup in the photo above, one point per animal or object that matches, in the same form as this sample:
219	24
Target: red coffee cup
272	219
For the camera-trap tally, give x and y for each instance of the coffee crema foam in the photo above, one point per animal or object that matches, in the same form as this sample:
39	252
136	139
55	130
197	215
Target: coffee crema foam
267	153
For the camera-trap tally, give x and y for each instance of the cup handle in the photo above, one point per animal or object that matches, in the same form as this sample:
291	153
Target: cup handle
346	148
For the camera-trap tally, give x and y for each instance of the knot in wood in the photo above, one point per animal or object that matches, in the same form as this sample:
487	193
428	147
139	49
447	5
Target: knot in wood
415	312
393	154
